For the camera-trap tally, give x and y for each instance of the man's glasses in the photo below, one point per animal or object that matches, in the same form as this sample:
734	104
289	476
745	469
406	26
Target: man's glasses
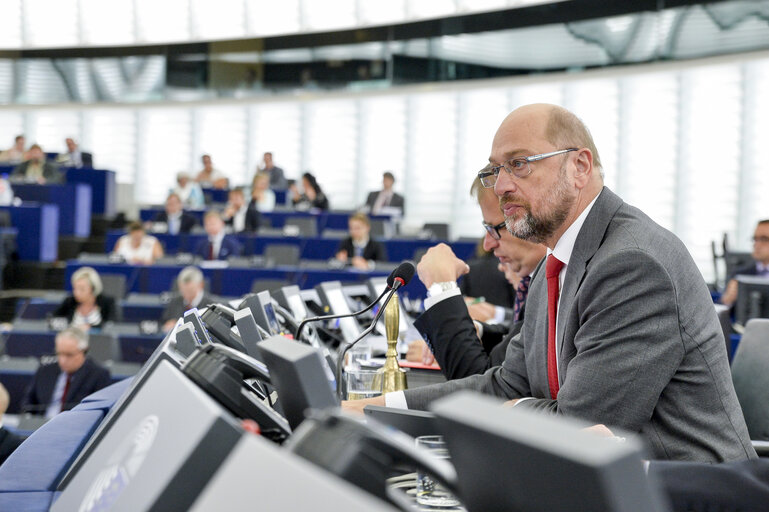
518	167
493	231
761	239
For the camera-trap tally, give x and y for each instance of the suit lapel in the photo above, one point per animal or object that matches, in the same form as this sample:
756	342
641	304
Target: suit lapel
588	241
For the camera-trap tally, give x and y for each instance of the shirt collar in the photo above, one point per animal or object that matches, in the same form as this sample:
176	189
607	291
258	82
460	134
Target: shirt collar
565	245
761	267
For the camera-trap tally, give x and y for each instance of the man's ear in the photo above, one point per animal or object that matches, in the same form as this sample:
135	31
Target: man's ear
583	164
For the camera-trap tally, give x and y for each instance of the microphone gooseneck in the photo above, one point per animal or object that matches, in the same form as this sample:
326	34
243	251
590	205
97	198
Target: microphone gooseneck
403	274
399	280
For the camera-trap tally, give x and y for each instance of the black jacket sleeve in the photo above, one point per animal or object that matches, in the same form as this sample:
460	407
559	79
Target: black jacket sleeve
449	331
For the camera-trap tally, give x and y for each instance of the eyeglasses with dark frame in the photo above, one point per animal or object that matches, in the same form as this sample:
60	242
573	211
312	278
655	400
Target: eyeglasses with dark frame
518	167
493	231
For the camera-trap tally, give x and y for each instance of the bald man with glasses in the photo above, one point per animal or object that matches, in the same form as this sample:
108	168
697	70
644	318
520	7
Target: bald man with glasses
620	328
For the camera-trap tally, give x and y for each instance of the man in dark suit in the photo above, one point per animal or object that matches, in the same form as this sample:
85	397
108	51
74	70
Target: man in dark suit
359	249
191	294
465	355
760	267
174	219
8	440
277	177
218	245
620	328
60	386
239	215
74	157
36	169
386	197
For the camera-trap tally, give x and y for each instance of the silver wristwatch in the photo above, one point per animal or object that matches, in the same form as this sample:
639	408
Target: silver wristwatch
438	288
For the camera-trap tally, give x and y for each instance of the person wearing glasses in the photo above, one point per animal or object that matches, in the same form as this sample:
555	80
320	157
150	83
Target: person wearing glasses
465	355
620	328
62	385
760	267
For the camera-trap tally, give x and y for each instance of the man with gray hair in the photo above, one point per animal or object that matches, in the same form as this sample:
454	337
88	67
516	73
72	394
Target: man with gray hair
62	385
192	294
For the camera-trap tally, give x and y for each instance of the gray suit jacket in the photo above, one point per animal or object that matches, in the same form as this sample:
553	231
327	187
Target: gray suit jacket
640	343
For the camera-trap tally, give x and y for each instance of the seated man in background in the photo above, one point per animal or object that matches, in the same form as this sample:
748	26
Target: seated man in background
192	294
8	440
137	247
239	215
74	157
16	153
210	177
37	169
218	245
173	220
385	198
465	355
62	385
87	307
277	177
359	249
188	191
619	327
759	268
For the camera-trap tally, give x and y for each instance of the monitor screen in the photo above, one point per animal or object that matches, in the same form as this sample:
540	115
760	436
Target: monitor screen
331	293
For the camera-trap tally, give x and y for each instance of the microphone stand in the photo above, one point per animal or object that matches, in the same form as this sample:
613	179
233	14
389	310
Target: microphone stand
332	317
340	360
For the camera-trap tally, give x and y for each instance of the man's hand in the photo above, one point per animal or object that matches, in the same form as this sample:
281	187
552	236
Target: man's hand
356	406
600	430
419	352
511	403
481	311
341	255
440	264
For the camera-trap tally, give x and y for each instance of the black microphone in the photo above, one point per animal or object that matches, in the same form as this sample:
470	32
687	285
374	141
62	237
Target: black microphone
400	276
395	281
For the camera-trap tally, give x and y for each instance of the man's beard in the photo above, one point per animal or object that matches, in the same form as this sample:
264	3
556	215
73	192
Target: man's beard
536	229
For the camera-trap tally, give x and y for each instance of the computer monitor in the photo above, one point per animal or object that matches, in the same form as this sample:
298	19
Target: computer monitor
168	442
260	305
412	422
259	472
548	462
166	351
193	316
332	296
249	332
752	298
298	373
290	297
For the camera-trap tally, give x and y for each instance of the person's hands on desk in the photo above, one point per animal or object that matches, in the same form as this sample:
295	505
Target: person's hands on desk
356	406
419	352
481	311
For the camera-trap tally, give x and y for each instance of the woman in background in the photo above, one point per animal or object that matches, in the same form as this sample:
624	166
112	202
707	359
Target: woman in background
137	247
87	307
312	197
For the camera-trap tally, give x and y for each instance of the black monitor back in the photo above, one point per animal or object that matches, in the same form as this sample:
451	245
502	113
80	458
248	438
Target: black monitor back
299	375
547	462
752	298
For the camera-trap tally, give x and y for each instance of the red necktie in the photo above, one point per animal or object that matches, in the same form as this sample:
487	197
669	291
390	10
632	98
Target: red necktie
66	390
210	250
552	270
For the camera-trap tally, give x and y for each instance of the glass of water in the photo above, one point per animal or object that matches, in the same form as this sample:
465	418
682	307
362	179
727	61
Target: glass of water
431	494
363	384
